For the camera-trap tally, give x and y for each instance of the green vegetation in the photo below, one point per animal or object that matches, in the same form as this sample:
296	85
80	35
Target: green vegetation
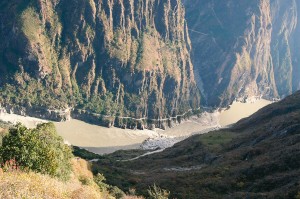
132	101
91	61
40	150
79	152
217	139
102	104
156	192
116	192
26	91
35	163
258	157
140	51
99	179
119	45
16	183
125	154
32	92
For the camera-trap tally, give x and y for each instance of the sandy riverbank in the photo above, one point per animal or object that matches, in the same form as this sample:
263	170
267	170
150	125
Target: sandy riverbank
29	122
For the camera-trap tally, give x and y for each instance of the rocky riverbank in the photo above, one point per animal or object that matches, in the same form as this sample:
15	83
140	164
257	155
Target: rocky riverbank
62	115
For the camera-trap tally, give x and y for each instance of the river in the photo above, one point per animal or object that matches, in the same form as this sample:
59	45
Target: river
103	140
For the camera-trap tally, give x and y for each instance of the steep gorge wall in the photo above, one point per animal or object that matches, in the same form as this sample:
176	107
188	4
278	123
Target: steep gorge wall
244	48
286	45
114	57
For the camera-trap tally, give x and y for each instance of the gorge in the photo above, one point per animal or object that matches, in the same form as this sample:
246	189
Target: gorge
107	62
115	58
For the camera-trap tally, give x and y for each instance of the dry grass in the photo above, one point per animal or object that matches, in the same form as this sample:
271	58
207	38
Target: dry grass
32	185
3	131
133	197
81	168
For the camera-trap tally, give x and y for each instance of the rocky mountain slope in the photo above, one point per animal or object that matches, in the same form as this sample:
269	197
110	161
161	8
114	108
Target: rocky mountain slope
133	59
115	57
257	158
244	48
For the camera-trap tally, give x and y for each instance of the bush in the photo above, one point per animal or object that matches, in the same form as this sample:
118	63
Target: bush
40	150
116	192
85	180
100	181
155	192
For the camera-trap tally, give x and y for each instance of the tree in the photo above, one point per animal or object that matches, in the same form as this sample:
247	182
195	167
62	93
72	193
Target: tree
99	179
155	192
40	150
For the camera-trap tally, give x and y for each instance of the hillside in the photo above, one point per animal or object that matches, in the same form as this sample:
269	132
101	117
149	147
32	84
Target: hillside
36	163
244	48
19	184
115	58
257	158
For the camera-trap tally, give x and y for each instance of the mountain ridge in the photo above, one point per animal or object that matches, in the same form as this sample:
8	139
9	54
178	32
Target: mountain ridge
244	48
144	59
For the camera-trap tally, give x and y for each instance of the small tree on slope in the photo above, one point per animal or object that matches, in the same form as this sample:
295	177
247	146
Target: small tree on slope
40	150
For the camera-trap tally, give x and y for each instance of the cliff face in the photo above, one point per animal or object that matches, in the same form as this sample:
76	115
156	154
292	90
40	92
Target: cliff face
244	48
132	57
286	45
115	57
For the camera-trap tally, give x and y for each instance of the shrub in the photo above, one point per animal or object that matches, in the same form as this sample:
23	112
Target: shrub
40	150
100	181
10	166
155	192
85	180
116	192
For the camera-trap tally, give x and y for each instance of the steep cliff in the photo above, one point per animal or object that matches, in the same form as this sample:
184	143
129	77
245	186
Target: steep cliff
114	57
286	45
244	48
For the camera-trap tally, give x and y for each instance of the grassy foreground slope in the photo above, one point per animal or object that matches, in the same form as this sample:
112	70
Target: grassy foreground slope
259	157
36	163
18	184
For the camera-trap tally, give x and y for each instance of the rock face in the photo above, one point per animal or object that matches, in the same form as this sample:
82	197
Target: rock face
132	58
244	48
38	112
114	57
